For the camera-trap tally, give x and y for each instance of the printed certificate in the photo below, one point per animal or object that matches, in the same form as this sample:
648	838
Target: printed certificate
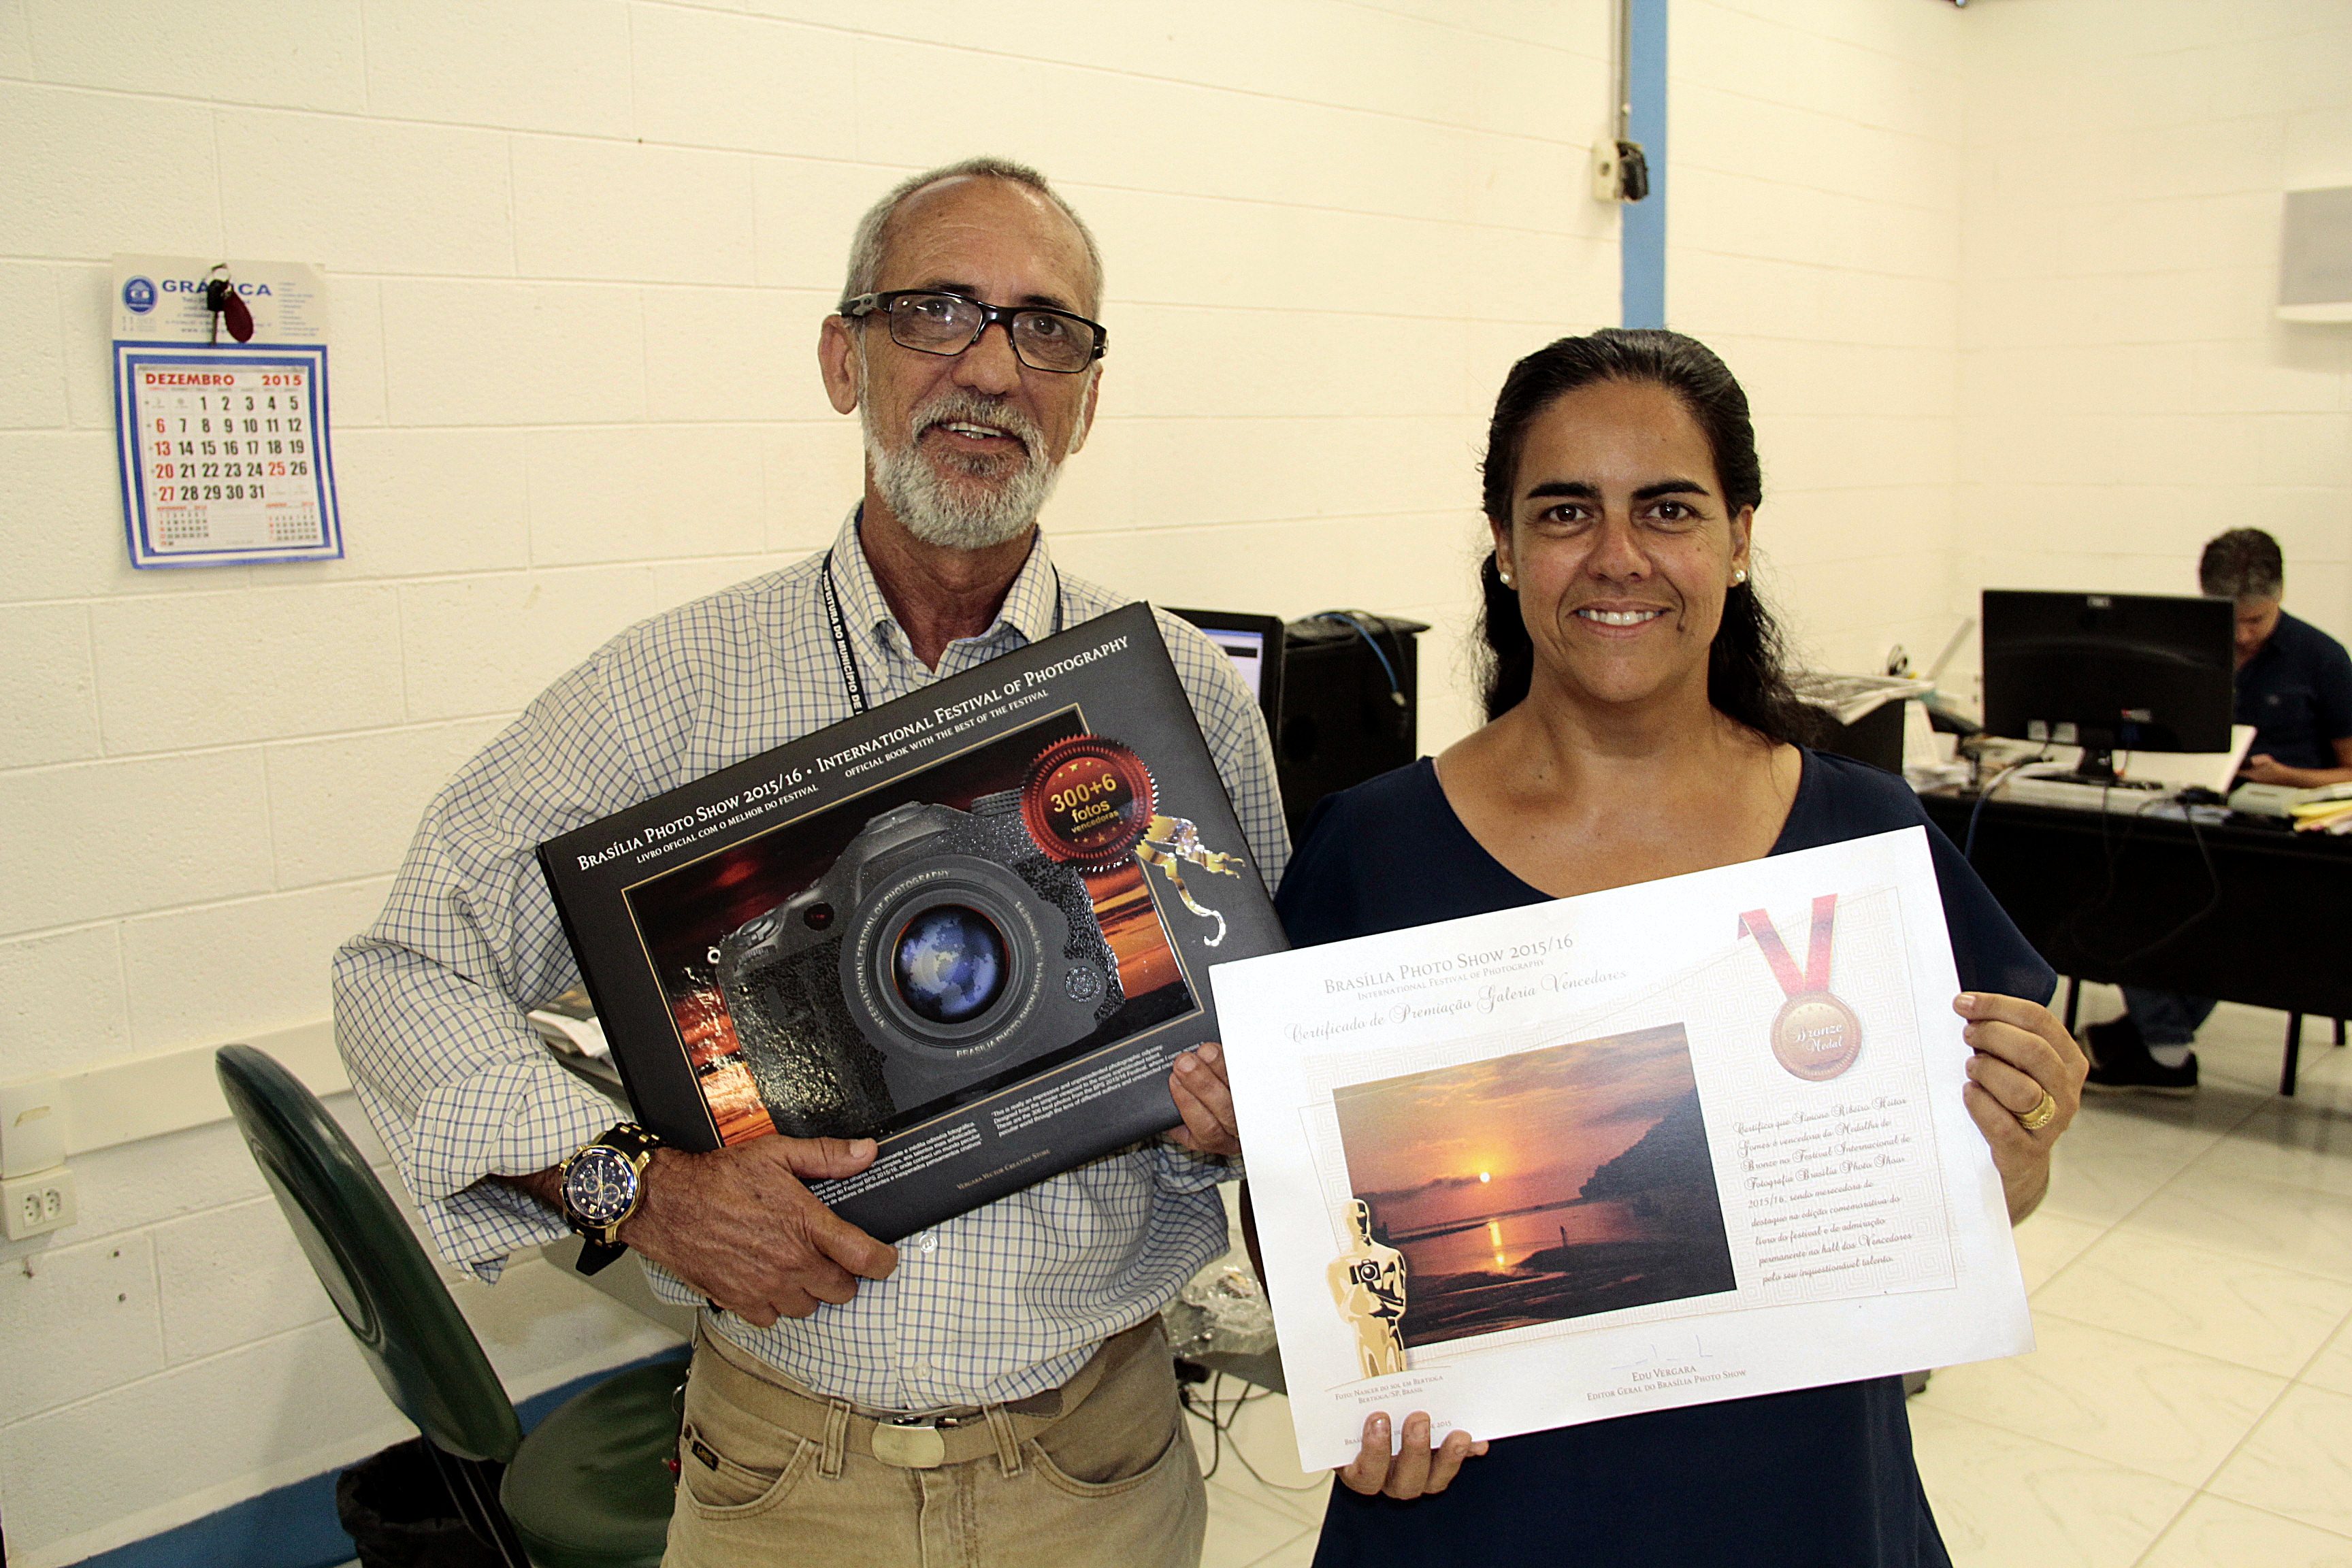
1696	1139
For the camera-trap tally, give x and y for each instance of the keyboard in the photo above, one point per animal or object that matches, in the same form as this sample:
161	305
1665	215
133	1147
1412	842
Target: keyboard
2126	797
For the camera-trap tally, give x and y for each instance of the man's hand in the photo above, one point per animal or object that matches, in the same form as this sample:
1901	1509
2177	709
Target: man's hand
1204	1099
2263	768
738	1226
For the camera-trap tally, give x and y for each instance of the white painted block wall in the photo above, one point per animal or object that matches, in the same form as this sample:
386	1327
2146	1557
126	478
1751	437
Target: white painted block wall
1813	241
579	251
2126	391
2001	282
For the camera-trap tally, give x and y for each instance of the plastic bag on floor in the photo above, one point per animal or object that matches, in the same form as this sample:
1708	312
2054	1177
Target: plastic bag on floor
1221	1312
399	1513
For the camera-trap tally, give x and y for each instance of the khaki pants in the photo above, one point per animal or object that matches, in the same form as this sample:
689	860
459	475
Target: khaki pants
1100	1470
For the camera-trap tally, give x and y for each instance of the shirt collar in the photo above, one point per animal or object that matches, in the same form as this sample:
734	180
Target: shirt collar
1030	608
2269	652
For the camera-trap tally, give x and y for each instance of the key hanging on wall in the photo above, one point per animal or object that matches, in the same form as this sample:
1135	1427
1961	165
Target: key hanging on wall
220	299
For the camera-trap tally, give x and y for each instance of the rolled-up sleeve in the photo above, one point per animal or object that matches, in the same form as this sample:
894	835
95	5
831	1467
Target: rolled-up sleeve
1181	1170
430	1000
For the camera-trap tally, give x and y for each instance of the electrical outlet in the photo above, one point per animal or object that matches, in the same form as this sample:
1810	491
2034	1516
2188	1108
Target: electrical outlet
1608	169
43	1200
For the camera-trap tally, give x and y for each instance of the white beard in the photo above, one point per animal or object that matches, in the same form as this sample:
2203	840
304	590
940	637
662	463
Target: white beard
970	511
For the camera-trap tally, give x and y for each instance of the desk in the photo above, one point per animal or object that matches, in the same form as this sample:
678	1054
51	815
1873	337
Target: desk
2117	899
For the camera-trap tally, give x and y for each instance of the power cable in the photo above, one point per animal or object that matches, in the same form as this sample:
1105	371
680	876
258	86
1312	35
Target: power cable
1221	1419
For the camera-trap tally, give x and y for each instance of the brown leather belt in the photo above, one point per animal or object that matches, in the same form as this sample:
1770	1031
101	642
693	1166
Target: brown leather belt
951	1436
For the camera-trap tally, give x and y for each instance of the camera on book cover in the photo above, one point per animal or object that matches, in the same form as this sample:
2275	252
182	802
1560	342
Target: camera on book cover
940	948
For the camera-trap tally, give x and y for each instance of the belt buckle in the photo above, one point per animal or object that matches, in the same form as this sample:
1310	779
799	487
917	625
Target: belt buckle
909	1444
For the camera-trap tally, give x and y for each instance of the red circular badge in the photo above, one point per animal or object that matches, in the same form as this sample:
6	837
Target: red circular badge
1087	801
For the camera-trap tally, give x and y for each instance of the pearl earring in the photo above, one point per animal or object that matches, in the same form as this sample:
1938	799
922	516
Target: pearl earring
1739	576
1505	576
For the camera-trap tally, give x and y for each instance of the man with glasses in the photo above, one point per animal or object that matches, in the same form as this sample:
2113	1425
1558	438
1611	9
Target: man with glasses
997	1384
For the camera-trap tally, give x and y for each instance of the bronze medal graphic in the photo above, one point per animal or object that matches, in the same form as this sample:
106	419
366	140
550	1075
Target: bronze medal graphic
1815	1037
1087	802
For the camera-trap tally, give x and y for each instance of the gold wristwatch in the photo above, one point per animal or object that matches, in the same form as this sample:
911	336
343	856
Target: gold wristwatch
602	1184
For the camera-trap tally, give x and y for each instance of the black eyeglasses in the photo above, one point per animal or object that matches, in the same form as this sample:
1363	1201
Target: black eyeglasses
931	322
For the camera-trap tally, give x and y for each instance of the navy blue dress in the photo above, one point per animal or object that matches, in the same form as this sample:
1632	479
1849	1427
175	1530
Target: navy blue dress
1819	1477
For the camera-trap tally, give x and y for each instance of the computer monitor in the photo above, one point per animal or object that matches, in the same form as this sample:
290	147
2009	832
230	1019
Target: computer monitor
1351	684
2109	671
1254	643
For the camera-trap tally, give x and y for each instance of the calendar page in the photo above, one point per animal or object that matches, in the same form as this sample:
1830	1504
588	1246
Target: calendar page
223	443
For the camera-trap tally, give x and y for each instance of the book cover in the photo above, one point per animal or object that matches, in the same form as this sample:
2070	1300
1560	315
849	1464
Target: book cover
974	923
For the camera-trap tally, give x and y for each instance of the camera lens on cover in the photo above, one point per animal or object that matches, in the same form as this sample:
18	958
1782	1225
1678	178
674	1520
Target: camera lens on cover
949	963
942	949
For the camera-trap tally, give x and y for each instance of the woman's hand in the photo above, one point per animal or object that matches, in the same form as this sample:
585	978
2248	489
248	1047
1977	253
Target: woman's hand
1414	1471
2025	1083
1206	1101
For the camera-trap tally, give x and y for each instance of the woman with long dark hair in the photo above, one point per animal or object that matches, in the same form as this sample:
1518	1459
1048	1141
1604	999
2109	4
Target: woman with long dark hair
1639	725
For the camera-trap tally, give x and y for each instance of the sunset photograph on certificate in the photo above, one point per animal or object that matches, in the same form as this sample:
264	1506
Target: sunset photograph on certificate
1547	1184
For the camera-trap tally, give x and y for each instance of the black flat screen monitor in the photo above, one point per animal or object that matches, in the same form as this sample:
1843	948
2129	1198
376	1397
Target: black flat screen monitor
2141	672
1254	643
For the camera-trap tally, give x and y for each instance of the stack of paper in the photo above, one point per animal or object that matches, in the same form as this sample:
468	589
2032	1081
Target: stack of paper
2321	816
569	1023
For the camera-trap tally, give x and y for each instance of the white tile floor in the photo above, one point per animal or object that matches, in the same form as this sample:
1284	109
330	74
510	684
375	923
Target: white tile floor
1269	1517
2191	1402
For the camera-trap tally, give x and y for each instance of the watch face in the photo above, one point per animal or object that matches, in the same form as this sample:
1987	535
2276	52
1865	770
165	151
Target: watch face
600	1184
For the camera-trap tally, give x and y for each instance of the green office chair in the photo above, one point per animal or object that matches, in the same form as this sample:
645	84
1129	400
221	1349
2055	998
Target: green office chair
591	1487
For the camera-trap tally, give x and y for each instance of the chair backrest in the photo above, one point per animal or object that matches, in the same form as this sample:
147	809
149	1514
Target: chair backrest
415	1338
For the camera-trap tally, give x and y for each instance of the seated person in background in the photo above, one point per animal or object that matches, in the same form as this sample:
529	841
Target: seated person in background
2294	687
998	1385
1639	725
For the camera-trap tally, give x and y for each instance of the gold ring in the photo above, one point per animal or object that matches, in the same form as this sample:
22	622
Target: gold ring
2040	1117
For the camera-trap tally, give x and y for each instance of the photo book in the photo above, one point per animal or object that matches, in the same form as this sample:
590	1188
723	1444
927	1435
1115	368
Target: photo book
974	924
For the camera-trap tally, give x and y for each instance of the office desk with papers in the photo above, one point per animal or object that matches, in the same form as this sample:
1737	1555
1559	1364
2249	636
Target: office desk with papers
2252	914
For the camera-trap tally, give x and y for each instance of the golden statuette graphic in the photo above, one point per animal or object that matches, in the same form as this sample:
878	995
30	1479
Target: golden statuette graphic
1170	839
1367	1284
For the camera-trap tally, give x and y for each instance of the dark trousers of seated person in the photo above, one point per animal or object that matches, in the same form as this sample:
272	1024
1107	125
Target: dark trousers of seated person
1099	1471
2167	1020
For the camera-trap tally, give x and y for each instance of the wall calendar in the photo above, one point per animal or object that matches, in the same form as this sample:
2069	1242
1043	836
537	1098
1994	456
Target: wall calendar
221	412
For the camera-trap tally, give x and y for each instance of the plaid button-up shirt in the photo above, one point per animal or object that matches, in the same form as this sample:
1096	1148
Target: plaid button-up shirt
997	1304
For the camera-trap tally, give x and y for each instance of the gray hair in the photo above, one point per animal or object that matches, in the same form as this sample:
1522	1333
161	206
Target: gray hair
873	236
2243	563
